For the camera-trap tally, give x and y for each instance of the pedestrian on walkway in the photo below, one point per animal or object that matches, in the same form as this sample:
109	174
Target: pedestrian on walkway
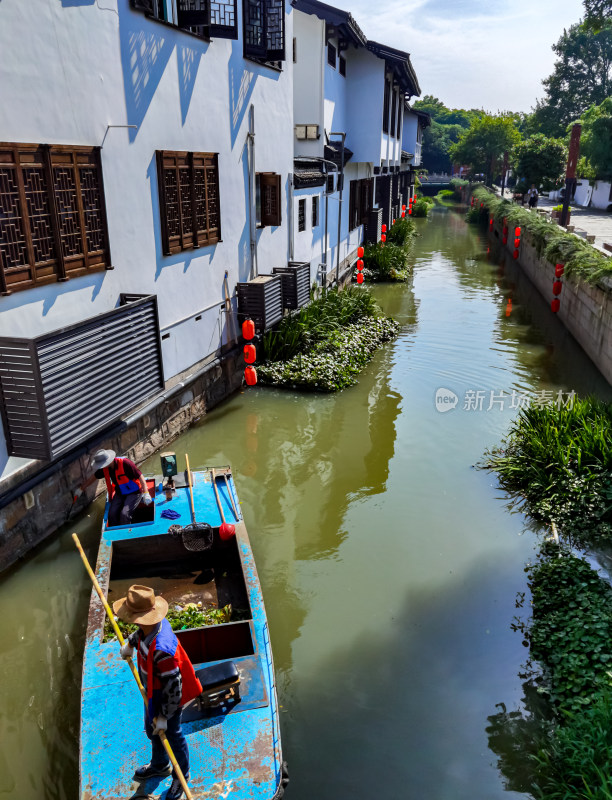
532	194
168	678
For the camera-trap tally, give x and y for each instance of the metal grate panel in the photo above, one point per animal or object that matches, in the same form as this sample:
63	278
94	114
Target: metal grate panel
295	279
261	300
374	225
61	388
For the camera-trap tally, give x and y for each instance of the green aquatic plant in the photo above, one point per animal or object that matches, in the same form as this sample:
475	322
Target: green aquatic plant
402	232
385	263
191	615
421	207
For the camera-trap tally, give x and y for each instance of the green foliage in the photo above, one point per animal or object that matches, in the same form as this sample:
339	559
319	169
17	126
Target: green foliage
596	140
557	463
598	12
180	618
550	240
582	77
333	363
485	142
402	232
317	321
421	207
571	628
386	263
540	160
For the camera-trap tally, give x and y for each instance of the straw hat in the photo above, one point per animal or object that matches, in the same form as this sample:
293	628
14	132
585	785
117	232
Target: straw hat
141	606
103	458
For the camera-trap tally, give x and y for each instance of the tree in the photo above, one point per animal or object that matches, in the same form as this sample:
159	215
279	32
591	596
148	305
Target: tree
597	12
582	77
485	142
540	160
596	140
437	139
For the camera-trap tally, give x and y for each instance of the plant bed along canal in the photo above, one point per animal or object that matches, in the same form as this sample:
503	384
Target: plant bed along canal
389	566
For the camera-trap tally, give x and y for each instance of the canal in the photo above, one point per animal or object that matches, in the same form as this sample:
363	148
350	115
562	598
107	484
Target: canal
390	566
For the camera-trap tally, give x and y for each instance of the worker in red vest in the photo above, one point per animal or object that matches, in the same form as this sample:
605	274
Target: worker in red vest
168	677
124	481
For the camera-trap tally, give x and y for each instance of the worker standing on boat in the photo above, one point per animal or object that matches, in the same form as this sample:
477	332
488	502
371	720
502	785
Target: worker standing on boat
168	678
123	480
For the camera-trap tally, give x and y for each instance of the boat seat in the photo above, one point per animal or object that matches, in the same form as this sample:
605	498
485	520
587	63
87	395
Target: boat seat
220	684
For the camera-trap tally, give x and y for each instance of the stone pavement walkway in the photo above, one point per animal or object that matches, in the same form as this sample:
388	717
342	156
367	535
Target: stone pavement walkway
586	221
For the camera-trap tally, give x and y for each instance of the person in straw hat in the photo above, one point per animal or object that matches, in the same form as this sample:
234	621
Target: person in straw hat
168	677
124	481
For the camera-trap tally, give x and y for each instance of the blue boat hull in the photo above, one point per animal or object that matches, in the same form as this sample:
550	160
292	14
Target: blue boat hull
235	750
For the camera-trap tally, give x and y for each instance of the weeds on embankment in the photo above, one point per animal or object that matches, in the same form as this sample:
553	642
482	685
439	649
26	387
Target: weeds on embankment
388	262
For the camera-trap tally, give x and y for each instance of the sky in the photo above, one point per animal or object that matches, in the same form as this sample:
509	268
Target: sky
490	54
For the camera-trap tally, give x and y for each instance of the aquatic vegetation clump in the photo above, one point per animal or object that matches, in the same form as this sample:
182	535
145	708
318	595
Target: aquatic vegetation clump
556	462
191	615
334	362
420	208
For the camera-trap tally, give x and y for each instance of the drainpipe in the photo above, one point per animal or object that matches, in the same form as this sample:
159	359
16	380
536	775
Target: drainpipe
290	216
254	271
341	179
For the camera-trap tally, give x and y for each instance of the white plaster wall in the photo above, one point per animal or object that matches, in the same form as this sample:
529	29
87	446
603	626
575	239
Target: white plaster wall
602	195
583	193
336	90
409	133
308	72
365	105
67	71
308	244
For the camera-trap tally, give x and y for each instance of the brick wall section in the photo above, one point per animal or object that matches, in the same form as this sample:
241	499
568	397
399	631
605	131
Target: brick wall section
29	519
586	310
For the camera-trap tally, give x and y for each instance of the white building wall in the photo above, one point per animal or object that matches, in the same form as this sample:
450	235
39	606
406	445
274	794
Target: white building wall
602	195
365	105
308	77
308	244
410	132
336	90
84	67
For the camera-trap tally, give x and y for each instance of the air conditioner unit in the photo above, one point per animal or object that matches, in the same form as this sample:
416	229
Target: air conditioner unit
295	279
261	300
303	132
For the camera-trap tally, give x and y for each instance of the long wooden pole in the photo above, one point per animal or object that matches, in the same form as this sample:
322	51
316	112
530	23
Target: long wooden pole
119	636
214	483
193	519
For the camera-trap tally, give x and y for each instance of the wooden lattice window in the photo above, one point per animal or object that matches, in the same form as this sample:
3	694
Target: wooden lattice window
330	183
315	212
264	29
302	215
386	103
360	201
205	18
188	200
52	215
331	55
393	113
342	66
269	190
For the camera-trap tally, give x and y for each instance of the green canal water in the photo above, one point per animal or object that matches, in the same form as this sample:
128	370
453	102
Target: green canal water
390	566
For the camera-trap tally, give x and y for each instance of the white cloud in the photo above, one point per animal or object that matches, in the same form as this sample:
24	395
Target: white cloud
472	54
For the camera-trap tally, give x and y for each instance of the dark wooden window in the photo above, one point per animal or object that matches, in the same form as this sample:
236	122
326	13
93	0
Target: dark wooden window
264	29
294	50
342	66
360	201
331	55
188	200
269	190
315	212
302	215
205	18
386	98
399	118
330	183
393	113
52	214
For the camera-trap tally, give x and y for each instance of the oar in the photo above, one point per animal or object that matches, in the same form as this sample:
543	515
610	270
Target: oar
193	519
225	530
231	497
111	617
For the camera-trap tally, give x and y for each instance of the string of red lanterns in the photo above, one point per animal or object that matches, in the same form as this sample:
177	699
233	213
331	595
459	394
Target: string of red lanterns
360	252
557	286
249	351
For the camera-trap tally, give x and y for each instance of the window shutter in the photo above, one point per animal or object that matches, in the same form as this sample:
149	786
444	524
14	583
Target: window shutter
253	17
224	19
193	13
275	30
270	184
169	206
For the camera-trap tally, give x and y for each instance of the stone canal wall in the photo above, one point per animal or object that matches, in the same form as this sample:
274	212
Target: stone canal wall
585	310
41	496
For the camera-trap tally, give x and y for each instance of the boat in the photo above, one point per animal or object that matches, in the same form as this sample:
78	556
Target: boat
233	729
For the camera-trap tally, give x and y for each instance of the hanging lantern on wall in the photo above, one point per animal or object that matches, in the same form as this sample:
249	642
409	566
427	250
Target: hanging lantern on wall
559	270
360	252
517	231
248	329
403	214
383	228
383	237
403	208
359	264
557	286
517	241
250	354
555	305
360	277
515	255
250	376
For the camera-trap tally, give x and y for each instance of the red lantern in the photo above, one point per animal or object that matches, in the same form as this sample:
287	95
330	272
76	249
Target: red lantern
517	231
505	230
226	531
394	222
517	241
410	211
360	252
360	277
515	255
359	264
505	240
557	286
555	305
383	228
403	208
250	354
559	270
250	376
248	329
383	237
403	214
482	205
